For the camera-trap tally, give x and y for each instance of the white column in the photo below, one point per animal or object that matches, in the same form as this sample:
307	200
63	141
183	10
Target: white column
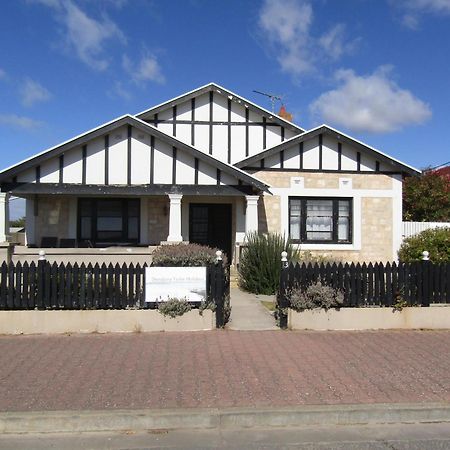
251	213
175	218
30	222
4	216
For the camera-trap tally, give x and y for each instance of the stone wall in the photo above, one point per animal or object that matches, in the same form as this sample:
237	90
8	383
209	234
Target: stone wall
158	219
377	213
52	218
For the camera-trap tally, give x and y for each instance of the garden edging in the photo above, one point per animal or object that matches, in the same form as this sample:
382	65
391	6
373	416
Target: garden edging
102	321
434	317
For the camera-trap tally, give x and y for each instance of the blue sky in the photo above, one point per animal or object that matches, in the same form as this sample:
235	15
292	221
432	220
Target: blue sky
376	69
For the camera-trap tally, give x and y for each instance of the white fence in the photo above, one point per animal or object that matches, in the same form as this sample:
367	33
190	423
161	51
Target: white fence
412	228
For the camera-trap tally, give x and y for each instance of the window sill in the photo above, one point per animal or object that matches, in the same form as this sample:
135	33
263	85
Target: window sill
348	247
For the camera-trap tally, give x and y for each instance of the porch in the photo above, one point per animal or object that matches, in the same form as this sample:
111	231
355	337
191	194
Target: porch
124	229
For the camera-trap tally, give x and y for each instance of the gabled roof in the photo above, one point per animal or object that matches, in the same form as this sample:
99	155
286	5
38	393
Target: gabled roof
143	126
217	88
248	162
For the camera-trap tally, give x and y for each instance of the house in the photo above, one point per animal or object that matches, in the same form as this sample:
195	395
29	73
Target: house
208	166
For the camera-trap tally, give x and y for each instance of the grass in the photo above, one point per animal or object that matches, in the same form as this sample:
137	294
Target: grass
269	305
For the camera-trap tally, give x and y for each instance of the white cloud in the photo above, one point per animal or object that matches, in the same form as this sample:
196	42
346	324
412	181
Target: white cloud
119	90
286	24
414	9
21	122
32	92
2	74
147	69
85	35
372	103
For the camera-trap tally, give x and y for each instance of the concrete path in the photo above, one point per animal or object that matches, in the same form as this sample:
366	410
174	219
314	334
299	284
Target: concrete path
247	312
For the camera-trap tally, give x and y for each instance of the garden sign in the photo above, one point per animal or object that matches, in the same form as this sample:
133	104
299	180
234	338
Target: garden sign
164	283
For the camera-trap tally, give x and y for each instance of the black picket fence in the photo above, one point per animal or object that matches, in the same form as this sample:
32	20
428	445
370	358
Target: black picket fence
417	283
46	286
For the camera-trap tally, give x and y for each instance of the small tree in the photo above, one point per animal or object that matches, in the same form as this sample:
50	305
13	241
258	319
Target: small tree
427	198
435	241
19	223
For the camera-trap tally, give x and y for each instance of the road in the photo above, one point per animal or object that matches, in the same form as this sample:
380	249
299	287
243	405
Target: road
378	437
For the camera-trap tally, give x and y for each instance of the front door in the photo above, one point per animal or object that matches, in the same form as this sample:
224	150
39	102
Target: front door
210	224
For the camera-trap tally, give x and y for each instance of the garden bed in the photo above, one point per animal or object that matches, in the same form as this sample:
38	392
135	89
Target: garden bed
102	321
371	318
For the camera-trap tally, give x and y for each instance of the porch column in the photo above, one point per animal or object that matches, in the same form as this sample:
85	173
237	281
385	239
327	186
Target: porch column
175	218
251	213
4	216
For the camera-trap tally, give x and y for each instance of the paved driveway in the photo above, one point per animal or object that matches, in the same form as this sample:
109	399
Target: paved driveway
222	369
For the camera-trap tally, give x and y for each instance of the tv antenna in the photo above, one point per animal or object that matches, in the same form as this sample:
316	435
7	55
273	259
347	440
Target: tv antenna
273	98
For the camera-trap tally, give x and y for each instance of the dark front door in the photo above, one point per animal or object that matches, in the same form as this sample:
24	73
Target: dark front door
210	224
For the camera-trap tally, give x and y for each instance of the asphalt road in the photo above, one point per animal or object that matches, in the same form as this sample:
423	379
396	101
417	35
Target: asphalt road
361	437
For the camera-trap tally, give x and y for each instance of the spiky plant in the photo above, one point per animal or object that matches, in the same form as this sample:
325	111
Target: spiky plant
260	264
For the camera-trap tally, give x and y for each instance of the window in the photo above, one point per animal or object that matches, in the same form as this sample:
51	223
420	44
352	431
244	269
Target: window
320	220
109	220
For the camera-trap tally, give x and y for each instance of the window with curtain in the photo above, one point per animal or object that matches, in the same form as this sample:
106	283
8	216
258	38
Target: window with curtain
320	220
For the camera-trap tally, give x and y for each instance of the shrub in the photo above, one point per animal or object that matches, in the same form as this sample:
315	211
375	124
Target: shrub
307	257
260	264
185	255
317	295
436	241
174	307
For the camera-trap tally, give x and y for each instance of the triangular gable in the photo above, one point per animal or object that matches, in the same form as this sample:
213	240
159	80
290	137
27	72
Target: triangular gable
126	151
325	148
220	123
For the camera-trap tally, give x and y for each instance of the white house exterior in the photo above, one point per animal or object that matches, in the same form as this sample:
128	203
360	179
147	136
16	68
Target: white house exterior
210	166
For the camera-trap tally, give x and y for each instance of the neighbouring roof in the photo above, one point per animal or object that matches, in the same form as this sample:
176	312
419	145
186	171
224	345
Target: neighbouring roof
217	88
248	162
143	126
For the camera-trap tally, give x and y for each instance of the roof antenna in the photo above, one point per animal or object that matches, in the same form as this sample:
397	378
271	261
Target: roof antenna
273	98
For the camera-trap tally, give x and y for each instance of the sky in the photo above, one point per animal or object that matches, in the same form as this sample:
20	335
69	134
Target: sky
376	69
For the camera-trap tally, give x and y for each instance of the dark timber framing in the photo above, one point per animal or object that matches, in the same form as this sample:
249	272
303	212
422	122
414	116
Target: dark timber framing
320	150
38	174
196	171
174	112
152	159
398	167
193	121
212	122
229	132
339	155
377	166
155	120
100	132
107	159
300	151
83	171
130	132
358	161
61	169
264	132
134	190
218	176
282	134
247	117
211	105
365	172
174	165
282	159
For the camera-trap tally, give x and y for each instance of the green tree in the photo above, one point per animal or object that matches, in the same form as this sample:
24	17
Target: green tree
19	223
427	198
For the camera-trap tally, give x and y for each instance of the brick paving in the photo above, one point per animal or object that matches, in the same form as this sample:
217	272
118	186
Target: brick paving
222	369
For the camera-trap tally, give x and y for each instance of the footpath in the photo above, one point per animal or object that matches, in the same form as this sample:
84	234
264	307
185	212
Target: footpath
222	378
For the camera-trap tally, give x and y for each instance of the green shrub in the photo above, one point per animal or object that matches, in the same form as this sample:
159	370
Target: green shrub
260	264
185	255
174	307
435	241
317	295
307	257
